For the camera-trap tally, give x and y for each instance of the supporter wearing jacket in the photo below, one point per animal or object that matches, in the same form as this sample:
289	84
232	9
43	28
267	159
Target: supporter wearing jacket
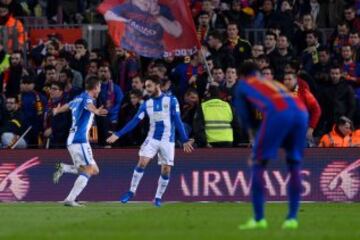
340	136
303	92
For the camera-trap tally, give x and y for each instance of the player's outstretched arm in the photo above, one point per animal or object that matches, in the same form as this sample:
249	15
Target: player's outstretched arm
60	109
101	111
129	126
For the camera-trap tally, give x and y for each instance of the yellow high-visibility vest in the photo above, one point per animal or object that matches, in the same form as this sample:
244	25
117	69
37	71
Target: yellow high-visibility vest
218	117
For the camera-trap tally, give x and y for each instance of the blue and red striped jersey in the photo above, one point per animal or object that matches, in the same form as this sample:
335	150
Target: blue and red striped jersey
265	96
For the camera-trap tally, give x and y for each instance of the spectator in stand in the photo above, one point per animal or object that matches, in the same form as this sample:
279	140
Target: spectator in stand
182	74
270	43
240	48
49	60
227	90
15	8
67	78
203	26
262	61
222	55
340	135
268	73
13	75
327	13
350	68
56	128
81	58
217	20
128	111
307	24
310	55
257	50
32	104
291	82
340	37
240	15
286	18
354	42
281	56
51	75
137	83
13	124
321	70
4	65
17	28
336	99
110	98
190	106
63	63
267	16
126	66
215	124
93	68
219	76
351	18
52	47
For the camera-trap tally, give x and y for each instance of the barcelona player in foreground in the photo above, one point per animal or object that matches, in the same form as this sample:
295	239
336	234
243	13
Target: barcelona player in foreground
285	122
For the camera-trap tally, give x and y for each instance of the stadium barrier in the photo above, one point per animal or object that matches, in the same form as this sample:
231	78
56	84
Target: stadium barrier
205	175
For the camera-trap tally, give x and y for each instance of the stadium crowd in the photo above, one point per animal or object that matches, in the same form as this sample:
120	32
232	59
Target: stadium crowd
322	70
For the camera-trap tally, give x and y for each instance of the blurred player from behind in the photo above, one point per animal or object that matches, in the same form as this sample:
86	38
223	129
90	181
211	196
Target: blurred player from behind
164	114
83	110
284	124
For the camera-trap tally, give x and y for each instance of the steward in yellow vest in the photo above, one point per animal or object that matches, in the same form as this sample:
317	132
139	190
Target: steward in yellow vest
216	122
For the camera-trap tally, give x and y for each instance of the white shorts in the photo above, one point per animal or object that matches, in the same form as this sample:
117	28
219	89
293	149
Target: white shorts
81	154
164	150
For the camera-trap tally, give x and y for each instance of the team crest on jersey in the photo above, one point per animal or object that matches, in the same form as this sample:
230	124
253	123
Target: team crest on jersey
166	106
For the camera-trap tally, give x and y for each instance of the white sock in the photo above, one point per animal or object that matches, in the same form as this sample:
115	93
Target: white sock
137	175
79	185
69	168
162	185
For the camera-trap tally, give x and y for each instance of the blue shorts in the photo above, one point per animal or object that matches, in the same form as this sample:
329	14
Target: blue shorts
282	129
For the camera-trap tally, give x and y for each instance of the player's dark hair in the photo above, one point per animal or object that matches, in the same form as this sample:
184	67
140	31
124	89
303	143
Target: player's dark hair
154	79
248	68
92	82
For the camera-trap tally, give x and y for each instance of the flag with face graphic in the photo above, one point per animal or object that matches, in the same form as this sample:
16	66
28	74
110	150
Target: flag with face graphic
151	28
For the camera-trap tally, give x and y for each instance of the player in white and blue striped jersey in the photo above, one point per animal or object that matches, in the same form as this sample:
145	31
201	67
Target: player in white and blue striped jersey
164	115
83	110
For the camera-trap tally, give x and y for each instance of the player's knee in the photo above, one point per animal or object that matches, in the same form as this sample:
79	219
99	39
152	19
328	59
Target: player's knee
165	170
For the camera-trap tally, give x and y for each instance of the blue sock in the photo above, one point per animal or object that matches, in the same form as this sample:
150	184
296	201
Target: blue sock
258	191
294	190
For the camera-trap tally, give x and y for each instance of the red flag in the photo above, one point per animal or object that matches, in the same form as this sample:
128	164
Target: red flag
151	28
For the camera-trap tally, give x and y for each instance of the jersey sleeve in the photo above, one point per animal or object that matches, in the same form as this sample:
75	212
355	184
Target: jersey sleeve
87	101
175	113
134	122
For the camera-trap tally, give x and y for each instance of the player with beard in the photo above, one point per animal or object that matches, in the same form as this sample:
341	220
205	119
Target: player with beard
164	115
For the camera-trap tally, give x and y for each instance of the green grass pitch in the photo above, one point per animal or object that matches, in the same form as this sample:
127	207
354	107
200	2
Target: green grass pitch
173	221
